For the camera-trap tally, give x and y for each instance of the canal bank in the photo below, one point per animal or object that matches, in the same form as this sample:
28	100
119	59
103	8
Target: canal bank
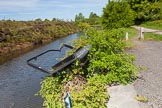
15	50
18	37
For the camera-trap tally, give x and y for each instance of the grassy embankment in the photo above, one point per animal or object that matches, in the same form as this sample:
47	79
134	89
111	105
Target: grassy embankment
18	35
153	25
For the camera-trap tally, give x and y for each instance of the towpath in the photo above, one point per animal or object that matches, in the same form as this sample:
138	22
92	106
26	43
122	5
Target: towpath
149	55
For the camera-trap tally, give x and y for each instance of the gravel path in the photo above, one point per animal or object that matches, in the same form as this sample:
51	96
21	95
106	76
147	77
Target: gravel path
149	55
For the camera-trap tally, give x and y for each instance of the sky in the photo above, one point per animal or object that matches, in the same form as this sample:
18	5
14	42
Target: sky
48	9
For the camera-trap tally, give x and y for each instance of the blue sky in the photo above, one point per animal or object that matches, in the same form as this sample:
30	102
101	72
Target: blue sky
63	9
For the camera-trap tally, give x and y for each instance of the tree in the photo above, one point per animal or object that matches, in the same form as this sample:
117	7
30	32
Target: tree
46	20
146	10
93	19
54	19
117	14
38	19
79	18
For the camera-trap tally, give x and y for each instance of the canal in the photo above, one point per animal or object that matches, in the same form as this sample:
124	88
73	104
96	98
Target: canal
20	82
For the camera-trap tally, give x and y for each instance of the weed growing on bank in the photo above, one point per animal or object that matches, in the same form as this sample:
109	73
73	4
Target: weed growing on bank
108	64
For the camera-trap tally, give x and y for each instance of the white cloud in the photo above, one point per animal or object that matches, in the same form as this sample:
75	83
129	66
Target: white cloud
19	13
16	5
56	4
74	3
13	5
17	2
49	8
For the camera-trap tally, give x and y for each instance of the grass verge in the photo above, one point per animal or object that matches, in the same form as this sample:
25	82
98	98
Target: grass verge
132	32
153	25
152	36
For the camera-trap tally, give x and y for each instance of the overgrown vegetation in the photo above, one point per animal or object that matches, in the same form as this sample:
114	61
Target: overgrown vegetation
108	64
33	31
14	33
107	56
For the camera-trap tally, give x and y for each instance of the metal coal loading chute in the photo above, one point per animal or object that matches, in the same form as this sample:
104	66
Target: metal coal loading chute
79	54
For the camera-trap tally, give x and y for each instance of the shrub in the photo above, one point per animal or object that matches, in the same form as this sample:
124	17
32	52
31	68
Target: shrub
107	57
108	64
146	10
92	95
83	26
117	14
51	91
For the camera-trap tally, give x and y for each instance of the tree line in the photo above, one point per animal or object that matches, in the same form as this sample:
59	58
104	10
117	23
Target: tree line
123	13
93	18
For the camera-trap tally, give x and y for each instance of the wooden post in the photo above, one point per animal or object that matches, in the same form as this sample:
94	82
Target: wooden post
141	33
126	36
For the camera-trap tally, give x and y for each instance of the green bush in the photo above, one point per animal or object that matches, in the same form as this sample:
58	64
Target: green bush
116	68
117	14
146	10
51	91
107	57
83	26
108	64
106	41
92	95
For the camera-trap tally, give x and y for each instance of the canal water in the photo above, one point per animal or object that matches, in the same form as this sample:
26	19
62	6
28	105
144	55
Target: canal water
20	82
